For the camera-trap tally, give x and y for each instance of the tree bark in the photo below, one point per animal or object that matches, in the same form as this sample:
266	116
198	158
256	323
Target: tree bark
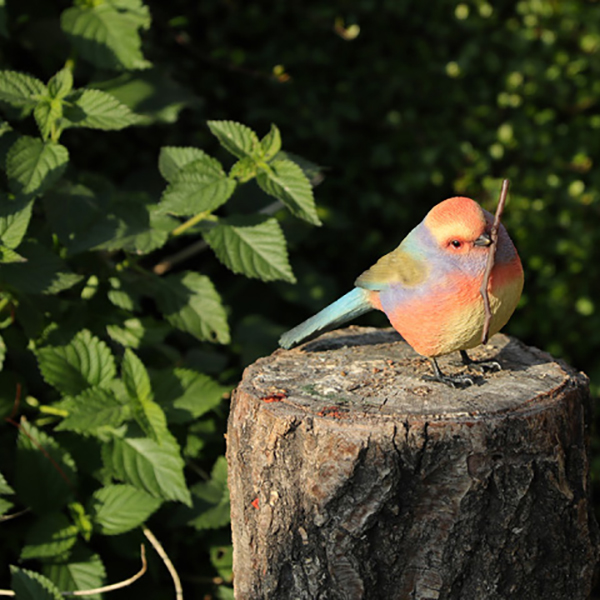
352	477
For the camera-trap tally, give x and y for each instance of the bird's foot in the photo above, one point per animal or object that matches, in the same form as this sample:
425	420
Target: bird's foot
455	381
485	366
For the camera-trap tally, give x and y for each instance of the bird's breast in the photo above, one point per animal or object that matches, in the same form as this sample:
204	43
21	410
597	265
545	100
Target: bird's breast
448	314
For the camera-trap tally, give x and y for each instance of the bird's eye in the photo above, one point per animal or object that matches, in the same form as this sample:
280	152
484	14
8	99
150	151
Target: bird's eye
456	243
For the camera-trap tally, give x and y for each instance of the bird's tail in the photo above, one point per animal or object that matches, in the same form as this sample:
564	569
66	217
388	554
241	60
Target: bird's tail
350	306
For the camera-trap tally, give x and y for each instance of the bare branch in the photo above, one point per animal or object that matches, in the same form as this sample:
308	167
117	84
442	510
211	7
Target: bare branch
484	291
165	558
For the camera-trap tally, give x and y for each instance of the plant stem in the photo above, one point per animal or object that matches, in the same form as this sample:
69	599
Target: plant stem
190	223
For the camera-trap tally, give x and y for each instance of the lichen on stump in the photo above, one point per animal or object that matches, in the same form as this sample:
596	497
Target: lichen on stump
351	477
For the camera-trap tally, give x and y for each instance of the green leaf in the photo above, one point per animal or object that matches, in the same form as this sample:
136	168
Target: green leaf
134	332
50	535
106	36
236	138
47	113
61	84
253	246
186	394
82	571
84	362
5	506
7	256
221	558
5	489
98	110
29	585
143	463
120	508
196	194
93	409
175	161
286	181
271	143
190	302
152	94
42	272
148	414
20	90
45	474
211	508
33	166
14	219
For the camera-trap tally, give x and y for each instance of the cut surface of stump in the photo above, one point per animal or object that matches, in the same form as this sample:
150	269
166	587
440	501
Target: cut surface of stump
352	477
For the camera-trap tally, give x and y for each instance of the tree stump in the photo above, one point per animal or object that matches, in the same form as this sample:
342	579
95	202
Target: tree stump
352	477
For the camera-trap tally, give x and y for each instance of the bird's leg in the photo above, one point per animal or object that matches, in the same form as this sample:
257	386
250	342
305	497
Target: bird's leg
482	365
451	380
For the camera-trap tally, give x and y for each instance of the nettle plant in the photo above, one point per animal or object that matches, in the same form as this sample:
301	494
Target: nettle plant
103	420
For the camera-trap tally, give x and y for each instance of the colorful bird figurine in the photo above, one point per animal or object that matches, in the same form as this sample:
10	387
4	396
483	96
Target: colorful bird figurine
429	286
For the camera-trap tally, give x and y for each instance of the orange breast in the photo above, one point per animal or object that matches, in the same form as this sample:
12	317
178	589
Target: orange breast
451	315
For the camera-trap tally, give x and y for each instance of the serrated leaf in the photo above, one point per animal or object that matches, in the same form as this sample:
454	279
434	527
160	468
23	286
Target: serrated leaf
82	571
186	394
120	508
84	362
172	161
143	463
92	410
244	169
61	83
42	272
5	506
95	109
148	414
195	194
253	246
271	143
236	138
50	535
190	302
47	113
29	585
8	255
286	181
106	36
20	90
14	219
5	489
211	508
33	166
45	474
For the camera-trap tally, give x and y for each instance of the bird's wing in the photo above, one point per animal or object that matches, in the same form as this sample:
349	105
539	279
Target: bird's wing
397	267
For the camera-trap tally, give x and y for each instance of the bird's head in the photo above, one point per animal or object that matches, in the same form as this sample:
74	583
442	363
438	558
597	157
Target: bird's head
460	227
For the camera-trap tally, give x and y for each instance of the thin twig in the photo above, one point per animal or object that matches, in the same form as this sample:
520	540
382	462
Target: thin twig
165	558
106	588
14	515
490	262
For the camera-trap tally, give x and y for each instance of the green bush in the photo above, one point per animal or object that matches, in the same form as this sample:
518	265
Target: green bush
113	209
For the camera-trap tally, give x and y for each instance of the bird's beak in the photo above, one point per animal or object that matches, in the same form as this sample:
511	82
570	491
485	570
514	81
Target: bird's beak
483	240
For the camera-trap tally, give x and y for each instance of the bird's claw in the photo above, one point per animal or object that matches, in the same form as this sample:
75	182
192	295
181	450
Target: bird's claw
486	366
455	381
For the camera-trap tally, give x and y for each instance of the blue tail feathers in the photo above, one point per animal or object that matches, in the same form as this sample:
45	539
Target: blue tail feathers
346	308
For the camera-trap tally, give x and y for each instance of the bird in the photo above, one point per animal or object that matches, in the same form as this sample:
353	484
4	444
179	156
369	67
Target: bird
429	287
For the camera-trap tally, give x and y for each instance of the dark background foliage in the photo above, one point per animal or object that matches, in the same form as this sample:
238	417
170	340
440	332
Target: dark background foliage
402	104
